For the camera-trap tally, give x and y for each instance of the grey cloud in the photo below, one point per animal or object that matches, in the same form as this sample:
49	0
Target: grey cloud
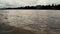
17	3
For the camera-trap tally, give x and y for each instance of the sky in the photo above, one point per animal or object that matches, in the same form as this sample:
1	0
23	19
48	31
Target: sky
19	3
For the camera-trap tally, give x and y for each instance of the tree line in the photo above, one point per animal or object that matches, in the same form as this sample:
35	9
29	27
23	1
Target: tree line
38	7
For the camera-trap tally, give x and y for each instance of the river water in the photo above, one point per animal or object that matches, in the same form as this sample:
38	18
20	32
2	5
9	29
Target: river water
36	20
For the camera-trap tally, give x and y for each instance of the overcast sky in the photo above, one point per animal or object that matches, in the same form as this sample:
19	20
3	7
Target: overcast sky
16	3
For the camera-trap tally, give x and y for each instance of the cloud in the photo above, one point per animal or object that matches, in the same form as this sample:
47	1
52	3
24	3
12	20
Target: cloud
46	2
16	3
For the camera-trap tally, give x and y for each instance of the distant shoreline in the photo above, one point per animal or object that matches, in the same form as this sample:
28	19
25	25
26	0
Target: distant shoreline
37	7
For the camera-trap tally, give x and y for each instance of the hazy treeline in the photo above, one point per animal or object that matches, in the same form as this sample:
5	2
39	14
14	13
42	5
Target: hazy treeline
53	6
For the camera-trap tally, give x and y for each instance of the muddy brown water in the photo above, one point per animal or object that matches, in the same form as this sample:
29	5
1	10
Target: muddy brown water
13	30
29	21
